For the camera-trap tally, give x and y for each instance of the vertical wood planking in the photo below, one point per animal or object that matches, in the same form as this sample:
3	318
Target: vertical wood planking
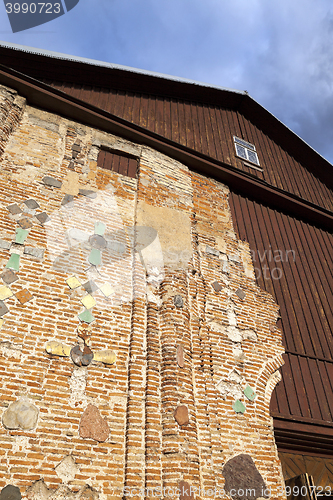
320	390
227	142
167	119
143	116
305	281
220	144
202	129
123	165
136	108
309	278
266	158
232	129
253	139
293	404
208	131
132	167
294	278
182	124
189	125
211	135
300	388
281	405
155	115
196	132
174	120
159	117
282	291
310	388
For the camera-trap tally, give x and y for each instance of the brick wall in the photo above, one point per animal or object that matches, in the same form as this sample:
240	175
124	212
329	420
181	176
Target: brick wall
176	353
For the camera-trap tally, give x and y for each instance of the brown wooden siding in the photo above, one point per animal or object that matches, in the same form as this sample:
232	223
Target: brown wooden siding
209	130
306	389
304	292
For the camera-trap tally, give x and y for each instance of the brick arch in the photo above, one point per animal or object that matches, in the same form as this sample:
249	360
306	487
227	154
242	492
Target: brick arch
269	376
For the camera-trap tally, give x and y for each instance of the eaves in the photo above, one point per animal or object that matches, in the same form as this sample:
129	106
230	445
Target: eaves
50	99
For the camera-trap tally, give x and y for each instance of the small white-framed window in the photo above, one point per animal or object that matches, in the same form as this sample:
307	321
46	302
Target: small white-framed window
246	151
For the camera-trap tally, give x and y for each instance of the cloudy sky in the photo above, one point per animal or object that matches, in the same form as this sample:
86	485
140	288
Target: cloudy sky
281	52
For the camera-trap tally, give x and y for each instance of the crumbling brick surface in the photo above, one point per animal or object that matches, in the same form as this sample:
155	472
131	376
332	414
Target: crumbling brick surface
167	234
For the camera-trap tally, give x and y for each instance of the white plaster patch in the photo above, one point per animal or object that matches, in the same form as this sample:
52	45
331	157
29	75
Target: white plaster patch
172	244
234	334
217	327
77	384
232	386
26	174
151	297
232	317
234	258
236	377
152	256
249	335
11	351
229	389
16	248
67	469
76	235
117	400
70	184
246	259
221	244
38	491
21	444
238	352
225	265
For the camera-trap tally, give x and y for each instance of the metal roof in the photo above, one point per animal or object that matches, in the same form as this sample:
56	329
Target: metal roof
102	64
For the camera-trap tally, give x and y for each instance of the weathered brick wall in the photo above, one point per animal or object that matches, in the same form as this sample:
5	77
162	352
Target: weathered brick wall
172	317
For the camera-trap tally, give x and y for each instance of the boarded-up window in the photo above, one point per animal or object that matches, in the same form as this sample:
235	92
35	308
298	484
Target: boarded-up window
116	162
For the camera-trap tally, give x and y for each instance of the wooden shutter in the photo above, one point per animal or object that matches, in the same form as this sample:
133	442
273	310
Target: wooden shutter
122	164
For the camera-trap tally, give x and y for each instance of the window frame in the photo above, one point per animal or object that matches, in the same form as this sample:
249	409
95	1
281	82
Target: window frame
248	147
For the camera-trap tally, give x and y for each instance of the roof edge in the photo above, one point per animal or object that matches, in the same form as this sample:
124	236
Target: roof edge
56	101
245	102
103	64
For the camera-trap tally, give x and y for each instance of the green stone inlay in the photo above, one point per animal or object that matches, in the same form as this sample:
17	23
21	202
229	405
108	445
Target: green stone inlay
99	228
238	406
249	393
14	262
95	257
21	235
86	317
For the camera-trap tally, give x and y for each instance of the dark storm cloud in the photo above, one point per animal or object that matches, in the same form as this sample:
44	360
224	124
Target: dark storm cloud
280	52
